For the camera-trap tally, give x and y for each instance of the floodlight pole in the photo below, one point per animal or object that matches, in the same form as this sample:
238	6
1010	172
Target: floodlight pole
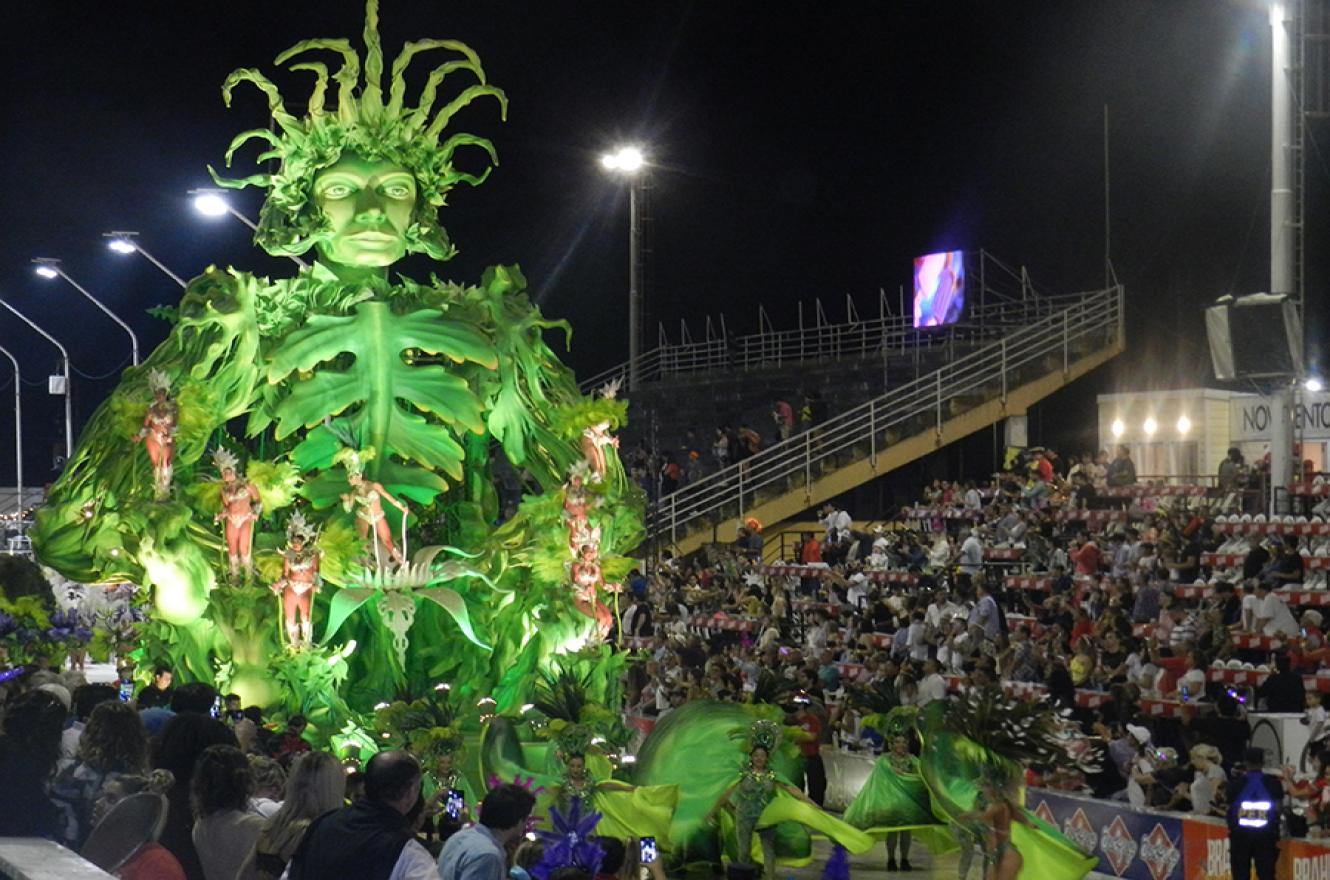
131	238
634	280
54	266
18	435
64	360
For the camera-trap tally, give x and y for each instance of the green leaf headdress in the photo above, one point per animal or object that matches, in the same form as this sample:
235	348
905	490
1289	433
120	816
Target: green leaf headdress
763	734
366	124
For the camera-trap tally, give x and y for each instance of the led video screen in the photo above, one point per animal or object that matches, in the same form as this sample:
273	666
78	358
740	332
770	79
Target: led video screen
939	288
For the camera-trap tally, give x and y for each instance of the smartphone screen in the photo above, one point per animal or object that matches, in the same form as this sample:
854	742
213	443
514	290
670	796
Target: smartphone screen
454	804
647	850
126	690
217	707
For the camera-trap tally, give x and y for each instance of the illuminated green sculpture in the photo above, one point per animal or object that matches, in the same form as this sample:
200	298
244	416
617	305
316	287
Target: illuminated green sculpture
352	384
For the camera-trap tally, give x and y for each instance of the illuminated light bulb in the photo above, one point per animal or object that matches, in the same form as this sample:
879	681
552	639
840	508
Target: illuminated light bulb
1184	424
378	706
1118	428
1150	426
121	246
46	272
211	205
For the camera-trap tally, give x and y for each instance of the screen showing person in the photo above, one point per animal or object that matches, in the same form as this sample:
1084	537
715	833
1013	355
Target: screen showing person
648	850
939	288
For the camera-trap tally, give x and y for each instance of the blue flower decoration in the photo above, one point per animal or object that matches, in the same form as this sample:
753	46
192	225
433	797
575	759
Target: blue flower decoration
570	843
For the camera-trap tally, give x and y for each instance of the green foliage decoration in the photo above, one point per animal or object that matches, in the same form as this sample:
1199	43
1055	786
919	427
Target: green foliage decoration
439	377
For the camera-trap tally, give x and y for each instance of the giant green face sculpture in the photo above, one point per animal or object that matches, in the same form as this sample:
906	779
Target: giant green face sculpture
368	206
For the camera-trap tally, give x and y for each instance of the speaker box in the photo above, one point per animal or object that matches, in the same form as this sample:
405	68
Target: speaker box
1253	337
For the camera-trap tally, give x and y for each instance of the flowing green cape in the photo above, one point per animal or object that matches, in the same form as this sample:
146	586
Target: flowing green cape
891	802
643	811
697	747
952	765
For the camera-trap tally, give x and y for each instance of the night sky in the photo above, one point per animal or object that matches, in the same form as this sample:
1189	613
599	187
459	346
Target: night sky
803	151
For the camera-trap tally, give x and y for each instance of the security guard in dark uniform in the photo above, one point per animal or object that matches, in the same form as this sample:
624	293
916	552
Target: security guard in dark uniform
1254	802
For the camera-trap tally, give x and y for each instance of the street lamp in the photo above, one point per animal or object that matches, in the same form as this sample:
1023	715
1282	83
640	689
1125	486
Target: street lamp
18	436
127	243
64	362
50	268
213	203
629	162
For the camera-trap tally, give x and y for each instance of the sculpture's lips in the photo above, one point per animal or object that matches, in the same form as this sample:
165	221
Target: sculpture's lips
370	235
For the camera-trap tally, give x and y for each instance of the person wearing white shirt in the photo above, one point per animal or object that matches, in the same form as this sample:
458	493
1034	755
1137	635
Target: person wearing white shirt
973	500
932	686
916	638
836	522
857	594
971	556
1272	616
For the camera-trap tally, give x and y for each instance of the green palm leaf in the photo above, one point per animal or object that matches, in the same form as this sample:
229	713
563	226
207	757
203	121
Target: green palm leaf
376	393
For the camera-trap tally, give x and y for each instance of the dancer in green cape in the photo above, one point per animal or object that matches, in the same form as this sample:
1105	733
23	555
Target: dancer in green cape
975	749
894	805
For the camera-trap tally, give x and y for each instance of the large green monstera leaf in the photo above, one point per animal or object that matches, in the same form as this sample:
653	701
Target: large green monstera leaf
377	393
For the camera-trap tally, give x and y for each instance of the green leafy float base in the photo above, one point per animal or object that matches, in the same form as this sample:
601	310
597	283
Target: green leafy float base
343	402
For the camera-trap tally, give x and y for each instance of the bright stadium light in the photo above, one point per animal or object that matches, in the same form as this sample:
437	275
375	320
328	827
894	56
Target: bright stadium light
1150	426
124	242
1184	424
1313	385
122	246
210	204
1118	429
625	160
46	271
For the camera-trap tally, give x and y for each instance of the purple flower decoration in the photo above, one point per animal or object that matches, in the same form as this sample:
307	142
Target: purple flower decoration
8	624
570	843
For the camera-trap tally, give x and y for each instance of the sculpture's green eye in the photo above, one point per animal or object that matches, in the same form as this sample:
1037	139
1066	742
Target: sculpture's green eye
337	191
399	190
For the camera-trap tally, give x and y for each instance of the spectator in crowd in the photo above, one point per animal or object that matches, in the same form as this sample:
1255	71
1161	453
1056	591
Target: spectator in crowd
159	692
113	743
225	831
374	838
316	786
184	738
290	742
479	852
197	697
29	751
1122	470
269	783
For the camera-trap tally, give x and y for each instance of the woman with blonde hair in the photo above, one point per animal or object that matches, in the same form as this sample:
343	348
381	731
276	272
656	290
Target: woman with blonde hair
316	785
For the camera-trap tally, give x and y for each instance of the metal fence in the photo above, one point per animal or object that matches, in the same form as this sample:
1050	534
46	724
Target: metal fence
832	342
1094	318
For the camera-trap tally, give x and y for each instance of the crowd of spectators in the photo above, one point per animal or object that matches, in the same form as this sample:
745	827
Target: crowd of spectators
661	466
1067	581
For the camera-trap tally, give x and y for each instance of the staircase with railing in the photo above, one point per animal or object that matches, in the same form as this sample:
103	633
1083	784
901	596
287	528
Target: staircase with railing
1066	338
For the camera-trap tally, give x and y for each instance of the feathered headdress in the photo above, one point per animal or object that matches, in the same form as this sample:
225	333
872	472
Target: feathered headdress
225	459
764	734
354	460
1012	732
365	122
298	527
158	381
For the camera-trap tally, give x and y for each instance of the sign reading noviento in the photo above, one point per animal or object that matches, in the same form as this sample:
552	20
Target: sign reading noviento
1249	418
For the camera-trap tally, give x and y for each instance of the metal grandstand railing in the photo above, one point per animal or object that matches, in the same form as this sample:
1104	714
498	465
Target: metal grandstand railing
1083	324
829	342
1003	298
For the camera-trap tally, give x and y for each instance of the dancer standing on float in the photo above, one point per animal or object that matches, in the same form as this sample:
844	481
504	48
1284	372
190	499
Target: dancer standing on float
300	581
366	499
158	432
241	507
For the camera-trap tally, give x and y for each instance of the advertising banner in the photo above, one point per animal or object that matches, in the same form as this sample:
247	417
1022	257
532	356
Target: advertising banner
1205	849
1131	844
1304	860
